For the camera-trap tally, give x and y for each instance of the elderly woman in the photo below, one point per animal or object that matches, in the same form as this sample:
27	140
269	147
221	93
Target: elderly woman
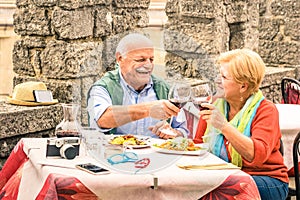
243	126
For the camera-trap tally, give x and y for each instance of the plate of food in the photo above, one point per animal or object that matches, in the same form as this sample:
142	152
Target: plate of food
179	145
131	141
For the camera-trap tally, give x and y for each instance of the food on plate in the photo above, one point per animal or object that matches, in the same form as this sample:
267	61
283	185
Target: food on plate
127	139
179	144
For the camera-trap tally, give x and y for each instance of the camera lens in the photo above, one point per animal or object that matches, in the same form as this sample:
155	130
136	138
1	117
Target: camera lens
68	151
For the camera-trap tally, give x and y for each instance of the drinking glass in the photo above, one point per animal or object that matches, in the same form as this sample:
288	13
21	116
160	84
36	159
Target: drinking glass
201	94
179	94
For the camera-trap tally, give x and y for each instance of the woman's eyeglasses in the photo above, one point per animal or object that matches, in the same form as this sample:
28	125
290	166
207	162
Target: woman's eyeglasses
129	157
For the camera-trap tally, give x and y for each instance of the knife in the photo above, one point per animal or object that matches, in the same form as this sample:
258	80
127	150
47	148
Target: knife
209	166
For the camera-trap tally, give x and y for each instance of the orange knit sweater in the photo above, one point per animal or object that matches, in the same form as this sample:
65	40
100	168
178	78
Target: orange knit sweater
265	134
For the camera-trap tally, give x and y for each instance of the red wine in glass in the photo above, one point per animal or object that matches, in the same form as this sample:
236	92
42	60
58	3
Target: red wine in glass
179	93
199	100
178	103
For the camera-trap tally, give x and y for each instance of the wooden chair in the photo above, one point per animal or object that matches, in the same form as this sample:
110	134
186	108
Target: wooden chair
296	152
290	90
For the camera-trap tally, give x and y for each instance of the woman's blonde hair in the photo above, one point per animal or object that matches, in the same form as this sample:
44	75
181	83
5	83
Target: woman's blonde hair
245	65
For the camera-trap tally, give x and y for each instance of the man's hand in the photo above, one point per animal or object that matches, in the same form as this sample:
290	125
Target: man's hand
164	130
162	109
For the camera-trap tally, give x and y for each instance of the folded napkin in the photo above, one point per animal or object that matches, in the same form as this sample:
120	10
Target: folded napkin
209	166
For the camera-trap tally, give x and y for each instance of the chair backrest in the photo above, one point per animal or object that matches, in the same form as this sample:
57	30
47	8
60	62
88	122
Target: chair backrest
296	153
290	90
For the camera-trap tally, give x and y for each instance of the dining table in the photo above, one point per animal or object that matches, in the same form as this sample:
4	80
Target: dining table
289	122
29	174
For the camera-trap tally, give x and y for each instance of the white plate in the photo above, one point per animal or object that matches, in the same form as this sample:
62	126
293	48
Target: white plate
138	146
195	153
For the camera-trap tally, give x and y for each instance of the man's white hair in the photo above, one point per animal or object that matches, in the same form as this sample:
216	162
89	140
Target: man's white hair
133	41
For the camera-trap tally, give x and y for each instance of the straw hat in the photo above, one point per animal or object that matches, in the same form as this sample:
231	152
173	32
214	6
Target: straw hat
23	94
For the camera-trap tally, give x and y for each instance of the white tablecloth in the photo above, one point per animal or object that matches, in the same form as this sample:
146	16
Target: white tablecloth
173	182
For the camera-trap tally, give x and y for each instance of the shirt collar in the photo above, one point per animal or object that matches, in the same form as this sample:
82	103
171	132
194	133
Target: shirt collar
124	83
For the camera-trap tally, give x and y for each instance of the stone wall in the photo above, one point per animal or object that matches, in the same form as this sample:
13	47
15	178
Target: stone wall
68	44
279	32
197	31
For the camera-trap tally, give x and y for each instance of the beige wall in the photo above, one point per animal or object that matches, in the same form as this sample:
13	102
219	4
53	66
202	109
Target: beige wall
7	39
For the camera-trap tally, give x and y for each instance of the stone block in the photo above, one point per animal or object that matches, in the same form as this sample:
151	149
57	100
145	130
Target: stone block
86	84
172	8
21	120
236	12
74	4
143	19
269	28
196	38
285	8
292	28
202	67
26	55
66	91
21	59
20	3
63	60
45	3
262	7
203	9
131	3
279	53
175	65
103	22
128	19
34	42
32	21
73	24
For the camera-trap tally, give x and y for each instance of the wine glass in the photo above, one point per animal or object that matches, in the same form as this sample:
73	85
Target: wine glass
179	94
201	94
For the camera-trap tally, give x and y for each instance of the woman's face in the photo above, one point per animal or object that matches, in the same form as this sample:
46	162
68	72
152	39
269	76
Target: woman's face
231	88
219	86
137	67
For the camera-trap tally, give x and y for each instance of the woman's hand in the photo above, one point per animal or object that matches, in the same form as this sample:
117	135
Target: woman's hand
213	116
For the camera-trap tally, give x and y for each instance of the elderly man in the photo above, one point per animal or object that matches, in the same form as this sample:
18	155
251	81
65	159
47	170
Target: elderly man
129	99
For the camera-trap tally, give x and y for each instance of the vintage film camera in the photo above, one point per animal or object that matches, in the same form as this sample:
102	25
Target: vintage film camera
67	147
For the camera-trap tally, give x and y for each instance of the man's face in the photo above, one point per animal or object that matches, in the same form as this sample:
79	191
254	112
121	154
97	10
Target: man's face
137	67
